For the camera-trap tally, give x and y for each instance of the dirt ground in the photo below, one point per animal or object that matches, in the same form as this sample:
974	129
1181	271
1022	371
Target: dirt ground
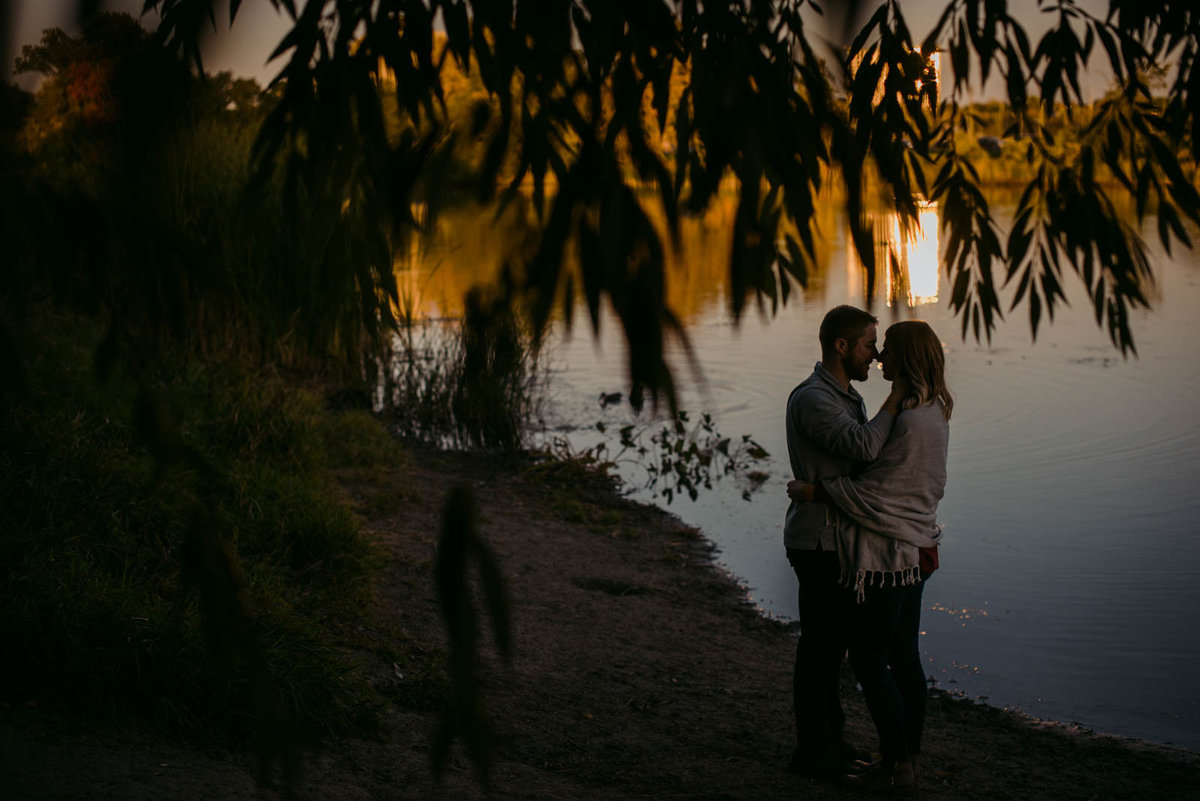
640	672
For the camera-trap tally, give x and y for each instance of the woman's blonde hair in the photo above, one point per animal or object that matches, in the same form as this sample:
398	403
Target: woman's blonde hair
919	358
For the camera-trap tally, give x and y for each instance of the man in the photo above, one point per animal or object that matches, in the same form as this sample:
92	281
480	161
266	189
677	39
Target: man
828	435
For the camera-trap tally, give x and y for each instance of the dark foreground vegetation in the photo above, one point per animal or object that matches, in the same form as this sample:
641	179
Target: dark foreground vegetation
199	590
200	328
192	348
637	671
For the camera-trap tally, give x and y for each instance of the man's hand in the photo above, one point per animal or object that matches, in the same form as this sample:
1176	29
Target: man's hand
800	492
900	389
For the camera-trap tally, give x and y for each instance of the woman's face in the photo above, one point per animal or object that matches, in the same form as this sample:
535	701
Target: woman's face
887	360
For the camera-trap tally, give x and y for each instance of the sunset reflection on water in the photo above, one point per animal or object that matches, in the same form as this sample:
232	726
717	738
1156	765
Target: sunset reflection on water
916	281
907	258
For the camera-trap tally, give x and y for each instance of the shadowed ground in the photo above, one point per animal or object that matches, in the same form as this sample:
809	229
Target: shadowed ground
640	672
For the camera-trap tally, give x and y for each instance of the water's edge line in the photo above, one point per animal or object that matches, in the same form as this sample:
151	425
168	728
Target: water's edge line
706	551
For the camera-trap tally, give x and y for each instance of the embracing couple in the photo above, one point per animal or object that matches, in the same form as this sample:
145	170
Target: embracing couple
861	534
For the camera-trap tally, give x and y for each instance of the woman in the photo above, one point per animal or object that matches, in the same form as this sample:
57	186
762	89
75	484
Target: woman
888	517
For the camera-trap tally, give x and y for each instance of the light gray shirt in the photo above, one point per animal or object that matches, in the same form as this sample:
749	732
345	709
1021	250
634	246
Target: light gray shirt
828	435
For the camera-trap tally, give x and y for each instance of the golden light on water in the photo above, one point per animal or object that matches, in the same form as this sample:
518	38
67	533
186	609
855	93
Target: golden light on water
907	257
916	281
468	246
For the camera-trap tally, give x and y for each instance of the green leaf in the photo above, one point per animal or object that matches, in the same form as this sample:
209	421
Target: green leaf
1035	312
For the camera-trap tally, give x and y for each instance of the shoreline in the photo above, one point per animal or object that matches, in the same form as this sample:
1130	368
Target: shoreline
1070	727
956	696
641	670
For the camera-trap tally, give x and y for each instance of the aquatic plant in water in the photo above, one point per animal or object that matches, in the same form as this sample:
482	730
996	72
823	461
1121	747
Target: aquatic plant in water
677	458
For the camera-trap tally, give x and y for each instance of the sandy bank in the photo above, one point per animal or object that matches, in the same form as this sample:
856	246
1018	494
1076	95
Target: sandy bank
640	672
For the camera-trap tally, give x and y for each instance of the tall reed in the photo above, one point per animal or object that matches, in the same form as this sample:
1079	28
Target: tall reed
474	382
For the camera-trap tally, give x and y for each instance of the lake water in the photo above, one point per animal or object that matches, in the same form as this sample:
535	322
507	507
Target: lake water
1070	579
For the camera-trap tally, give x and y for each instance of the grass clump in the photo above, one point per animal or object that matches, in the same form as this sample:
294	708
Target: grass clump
473	384
112	604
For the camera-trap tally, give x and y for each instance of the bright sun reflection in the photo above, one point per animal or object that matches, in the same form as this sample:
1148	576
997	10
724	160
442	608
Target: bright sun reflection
917	250
907	258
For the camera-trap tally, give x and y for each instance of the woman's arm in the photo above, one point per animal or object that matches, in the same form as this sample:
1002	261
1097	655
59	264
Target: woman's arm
898	493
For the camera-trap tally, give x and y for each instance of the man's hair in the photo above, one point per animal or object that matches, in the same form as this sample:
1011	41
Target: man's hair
843	322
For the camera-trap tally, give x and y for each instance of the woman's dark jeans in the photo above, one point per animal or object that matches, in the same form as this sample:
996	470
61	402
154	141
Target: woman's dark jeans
886	657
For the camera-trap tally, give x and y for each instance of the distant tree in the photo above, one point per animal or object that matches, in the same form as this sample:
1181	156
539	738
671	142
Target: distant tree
223	95
79	73
83	74
107	98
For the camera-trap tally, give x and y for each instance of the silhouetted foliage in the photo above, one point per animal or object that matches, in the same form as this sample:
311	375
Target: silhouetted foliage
758	107
758	113
679	458
1066	219
126	205
581	95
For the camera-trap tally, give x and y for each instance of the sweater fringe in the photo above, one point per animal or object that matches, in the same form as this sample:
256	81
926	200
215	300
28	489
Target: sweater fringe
861	579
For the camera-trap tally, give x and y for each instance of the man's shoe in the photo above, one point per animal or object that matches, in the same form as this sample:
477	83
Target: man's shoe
897	779
826	765
856	757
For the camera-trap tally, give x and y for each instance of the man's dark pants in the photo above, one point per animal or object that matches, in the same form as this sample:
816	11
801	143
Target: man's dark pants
816	681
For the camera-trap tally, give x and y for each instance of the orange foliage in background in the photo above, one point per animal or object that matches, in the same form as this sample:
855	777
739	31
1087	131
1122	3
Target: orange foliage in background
90	90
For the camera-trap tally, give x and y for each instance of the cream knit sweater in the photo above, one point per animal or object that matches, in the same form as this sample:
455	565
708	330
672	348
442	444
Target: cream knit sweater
889	510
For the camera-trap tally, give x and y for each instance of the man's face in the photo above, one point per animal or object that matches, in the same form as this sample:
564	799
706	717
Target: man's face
859	354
